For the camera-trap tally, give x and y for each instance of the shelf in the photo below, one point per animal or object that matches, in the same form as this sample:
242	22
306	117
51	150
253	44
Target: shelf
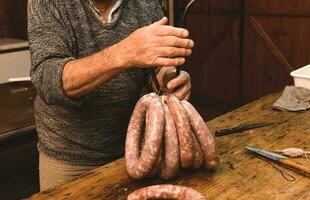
16	109
11	44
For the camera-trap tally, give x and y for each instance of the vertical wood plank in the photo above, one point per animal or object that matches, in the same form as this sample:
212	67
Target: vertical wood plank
276	43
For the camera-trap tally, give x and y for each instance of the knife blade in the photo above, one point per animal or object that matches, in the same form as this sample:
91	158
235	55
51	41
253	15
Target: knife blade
242	128
267	154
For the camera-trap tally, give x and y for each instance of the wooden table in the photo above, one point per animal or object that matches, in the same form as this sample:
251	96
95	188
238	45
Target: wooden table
240	174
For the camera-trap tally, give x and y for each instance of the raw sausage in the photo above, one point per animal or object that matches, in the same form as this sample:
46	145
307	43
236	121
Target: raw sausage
198	155
171	159
173	192
165	134
149	107
183	129
203	135
158	164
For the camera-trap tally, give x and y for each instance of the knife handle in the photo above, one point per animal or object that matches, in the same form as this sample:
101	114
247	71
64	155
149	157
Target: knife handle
305	170
229	131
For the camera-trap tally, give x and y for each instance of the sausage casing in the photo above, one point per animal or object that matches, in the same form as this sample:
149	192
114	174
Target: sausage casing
203	135
149	107
167	191
183	129
158	164
171	158
198	155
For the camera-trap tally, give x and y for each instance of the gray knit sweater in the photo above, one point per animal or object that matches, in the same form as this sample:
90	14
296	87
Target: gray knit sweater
89	131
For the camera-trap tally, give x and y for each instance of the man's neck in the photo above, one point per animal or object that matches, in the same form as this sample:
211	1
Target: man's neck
104	6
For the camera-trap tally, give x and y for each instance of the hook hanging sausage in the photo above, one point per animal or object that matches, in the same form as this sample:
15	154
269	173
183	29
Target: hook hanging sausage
182	25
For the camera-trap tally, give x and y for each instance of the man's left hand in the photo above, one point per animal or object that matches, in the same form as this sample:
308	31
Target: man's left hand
180	85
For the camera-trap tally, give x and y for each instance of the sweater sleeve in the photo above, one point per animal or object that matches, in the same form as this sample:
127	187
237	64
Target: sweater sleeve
51	47
158	12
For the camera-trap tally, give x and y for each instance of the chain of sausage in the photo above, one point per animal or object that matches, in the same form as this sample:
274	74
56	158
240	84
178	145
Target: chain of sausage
167	191
149	107
171	161
203	135
175	136
198	155
183	129
157	166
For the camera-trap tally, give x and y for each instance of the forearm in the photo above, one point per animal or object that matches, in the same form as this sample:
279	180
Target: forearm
83	75
154	45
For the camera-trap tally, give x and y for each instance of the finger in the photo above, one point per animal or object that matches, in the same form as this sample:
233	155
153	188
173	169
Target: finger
187	97
163	21
171	31
182	92
179	81
160	61
169	75
174	52
172	41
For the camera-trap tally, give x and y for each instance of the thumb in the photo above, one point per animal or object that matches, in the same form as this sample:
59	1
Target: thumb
163	21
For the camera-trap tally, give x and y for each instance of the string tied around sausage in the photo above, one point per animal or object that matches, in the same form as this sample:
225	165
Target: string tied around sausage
294	153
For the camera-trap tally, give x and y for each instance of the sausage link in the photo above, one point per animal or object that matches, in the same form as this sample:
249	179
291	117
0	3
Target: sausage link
198	155
174	192
149	107
171	159
183	129
203	135
157	166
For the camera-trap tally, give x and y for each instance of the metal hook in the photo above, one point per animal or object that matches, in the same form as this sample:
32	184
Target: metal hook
153	74
182	25
156	82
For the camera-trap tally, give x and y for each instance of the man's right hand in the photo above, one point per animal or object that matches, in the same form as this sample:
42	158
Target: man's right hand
152	46
156	45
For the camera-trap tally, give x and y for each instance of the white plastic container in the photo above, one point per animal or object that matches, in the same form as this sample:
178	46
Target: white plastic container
302	77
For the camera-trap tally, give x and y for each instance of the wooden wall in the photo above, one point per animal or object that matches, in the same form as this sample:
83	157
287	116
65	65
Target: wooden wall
245	49
13	18
276	42
215	62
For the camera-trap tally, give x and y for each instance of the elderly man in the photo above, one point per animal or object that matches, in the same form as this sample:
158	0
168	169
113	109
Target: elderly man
90	62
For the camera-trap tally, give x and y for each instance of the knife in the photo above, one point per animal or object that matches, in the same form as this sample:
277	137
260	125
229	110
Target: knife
241	128
282	160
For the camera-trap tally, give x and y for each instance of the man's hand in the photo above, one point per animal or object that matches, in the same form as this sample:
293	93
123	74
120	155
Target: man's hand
151	46
155	45
180	85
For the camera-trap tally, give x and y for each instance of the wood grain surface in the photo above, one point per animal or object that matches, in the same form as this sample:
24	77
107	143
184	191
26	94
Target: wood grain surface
240	175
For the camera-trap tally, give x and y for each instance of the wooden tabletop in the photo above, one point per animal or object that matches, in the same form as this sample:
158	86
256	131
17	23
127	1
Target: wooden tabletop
240	175
16	109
